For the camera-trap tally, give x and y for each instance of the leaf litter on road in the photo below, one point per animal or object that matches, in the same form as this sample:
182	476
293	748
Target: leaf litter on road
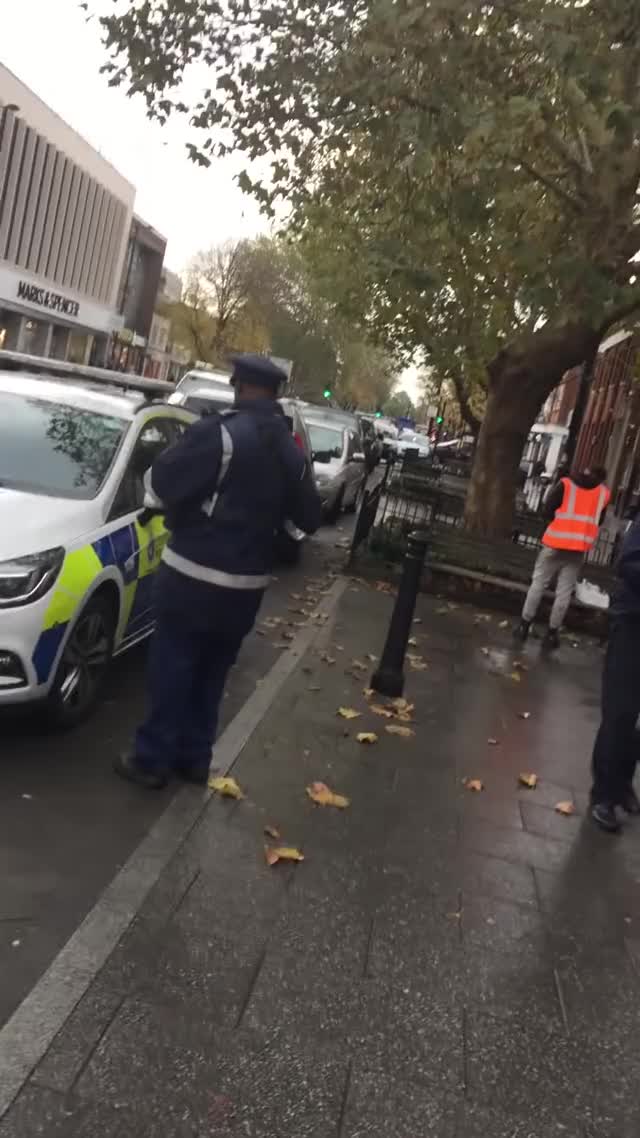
524	715
473	784
528	779
348	713
385	712
322	795
367	737
226	787
397	729
272	832
566	808
274	854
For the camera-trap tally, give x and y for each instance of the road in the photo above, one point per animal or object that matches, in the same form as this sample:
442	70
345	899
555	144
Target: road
67	824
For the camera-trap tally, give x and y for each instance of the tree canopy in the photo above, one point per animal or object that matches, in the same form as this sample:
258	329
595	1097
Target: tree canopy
473	166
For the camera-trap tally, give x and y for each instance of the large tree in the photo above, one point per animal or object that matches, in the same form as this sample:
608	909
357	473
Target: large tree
495	144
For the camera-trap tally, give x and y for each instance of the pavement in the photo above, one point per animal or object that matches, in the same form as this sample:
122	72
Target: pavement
66	824
443	963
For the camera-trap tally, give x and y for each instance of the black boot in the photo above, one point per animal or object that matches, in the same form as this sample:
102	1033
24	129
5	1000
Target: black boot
551	640
604	816
127	767
630	802
521	631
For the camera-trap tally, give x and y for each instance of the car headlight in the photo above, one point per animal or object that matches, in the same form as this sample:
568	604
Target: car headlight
25	579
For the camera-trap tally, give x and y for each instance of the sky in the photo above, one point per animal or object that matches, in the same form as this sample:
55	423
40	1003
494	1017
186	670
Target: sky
52	48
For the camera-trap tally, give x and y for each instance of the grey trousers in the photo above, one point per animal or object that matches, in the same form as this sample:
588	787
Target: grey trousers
566	565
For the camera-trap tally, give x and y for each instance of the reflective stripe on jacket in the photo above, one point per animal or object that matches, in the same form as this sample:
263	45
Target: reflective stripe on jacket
575	525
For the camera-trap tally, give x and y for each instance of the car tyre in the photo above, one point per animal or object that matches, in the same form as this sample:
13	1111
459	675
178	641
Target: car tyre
83	665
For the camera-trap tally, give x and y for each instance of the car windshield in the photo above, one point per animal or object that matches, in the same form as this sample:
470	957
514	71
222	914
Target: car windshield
326	442
50	448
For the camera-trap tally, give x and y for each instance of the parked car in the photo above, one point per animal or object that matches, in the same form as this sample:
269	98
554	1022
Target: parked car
410	441
77	548
339	463
204	392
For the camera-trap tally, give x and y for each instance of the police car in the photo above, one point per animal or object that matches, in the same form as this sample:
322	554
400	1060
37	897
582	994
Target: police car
77	548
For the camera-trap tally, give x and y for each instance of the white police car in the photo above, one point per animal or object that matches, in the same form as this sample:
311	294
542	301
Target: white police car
77	549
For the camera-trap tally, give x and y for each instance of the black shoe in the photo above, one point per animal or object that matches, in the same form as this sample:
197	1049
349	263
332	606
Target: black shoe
551	640
126	767
630	802
604	816
521	631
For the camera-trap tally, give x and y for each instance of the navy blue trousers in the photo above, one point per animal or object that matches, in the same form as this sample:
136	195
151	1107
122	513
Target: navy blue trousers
616	748
198	634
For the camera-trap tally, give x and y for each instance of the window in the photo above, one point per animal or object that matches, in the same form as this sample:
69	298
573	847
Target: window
326	442
355	445
50	448
155	436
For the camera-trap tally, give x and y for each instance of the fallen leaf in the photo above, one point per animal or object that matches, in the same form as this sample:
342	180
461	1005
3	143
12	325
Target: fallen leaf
288	635
296	596
348	713
368	692
524	715
322	795
516	677
403	732
418	665
327	659
274	854
412	642
404	716
520	666
272	832
493	742
385	712
566	808
314	687
367	737
227	787
16	943
528	780
338	648
371	656
417	620
359	664
473	784
485	651
401	704
503	624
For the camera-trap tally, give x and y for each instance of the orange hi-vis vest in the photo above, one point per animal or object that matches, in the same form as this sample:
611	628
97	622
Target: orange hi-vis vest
575	525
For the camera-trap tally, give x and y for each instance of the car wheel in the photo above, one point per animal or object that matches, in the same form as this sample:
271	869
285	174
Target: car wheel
83	665
332	515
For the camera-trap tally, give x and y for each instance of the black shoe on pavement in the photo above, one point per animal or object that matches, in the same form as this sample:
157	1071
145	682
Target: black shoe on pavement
551	640
630	802
126	767
604	816
521	631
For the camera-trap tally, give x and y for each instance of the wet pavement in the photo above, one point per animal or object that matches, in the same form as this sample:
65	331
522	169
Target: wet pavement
443	963
66	823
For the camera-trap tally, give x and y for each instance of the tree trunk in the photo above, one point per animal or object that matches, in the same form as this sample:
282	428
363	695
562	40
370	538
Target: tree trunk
521	377
462	399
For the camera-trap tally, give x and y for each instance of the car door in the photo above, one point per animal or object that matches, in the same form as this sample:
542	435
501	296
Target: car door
137	548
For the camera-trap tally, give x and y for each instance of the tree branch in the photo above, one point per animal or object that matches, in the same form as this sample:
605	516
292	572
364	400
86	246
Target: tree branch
550	185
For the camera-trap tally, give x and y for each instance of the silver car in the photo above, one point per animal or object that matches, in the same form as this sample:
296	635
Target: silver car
338	462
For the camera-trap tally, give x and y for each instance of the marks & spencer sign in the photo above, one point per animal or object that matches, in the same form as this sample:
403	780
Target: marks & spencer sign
44	298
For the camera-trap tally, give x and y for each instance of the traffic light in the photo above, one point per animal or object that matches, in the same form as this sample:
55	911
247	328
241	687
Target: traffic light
327	393
439	419
378	414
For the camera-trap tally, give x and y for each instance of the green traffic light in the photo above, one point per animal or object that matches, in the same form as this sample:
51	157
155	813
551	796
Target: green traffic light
378	414
439	419
327	393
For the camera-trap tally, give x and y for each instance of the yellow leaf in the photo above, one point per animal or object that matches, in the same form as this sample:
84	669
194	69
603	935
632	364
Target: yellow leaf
359	664
272	832
516	677
473	784
368	692
348	713
385	712
274	854
227	787
321	794
528	780
566	808
395	729
404	716
367	737
401	704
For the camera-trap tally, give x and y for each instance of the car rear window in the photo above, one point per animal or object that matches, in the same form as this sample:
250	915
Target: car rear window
51	448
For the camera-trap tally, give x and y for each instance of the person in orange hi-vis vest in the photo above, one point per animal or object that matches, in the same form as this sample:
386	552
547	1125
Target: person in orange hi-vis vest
575	506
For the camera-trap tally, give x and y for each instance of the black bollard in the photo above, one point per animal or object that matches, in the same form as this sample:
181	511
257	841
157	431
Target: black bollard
388	679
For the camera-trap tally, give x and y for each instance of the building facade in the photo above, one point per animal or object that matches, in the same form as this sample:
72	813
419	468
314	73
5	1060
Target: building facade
65	216
139	286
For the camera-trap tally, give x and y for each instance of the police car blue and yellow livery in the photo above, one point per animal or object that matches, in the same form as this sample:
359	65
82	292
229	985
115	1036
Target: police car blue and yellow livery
77	548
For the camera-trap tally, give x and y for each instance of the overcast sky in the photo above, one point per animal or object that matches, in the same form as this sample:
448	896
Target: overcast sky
50	47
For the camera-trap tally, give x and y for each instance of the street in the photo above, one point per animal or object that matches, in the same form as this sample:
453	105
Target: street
67	823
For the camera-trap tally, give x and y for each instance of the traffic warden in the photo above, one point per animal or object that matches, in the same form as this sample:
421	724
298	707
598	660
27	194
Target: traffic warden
226	488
